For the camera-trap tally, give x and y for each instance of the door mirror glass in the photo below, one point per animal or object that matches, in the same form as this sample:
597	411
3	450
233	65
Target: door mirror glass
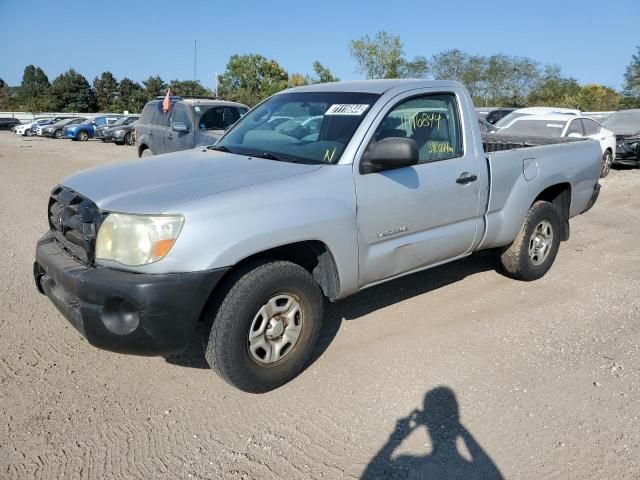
389	153
179	127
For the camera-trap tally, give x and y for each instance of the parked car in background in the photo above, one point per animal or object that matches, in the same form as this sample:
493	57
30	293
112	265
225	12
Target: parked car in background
86	130
624	124
521	112
628	152
8	123
486	127
494	116
122	121
566	126
56	130
189	123
37	129
25	128
121	133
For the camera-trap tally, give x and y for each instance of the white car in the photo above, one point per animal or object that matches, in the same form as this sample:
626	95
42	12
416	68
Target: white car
577	126
25	129
522	112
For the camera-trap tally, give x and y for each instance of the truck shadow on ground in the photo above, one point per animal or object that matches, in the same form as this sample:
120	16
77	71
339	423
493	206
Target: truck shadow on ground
362	303
454	453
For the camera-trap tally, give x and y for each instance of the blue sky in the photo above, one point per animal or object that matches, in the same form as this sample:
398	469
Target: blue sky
591	40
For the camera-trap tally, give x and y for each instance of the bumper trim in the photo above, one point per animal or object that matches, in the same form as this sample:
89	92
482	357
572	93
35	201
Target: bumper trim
120	311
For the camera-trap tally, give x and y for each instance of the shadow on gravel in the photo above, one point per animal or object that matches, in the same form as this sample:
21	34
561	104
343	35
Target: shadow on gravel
361	304
455	454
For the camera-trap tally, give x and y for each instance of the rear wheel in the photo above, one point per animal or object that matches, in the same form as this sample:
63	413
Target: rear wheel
58	134
266	324
83	136
607	161
533	251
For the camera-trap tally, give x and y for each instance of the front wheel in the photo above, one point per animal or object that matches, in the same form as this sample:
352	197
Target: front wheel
128	139
58	134
267	321
533	251
607	161
83	136
146	153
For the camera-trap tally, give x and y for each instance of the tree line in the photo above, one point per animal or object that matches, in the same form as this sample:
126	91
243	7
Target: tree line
494	80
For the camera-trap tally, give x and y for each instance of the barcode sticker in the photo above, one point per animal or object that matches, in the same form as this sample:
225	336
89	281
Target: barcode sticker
347	109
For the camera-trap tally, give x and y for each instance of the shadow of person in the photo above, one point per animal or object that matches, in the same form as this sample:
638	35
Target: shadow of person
455	453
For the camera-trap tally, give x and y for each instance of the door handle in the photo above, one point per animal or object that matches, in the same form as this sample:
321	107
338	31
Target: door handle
466	178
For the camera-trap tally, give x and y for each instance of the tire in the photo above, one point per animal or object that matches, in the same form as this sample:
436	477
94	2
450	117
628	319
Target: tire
146	153
58	134
82	136
104	140
532	253
242	310
607	161
28	132
127	139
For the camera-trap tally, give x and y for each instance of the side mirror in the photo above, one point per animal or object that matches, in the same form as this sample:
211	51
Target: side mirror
389	153
575	135
179	127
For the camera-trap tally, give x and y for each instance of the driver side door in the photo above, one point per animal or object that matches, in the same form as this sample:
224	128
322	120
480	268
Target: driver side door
416	216
176	141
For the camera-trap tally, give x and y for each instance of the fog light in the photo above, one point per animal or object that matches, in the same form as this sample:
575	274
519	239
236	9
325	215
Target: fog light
119	316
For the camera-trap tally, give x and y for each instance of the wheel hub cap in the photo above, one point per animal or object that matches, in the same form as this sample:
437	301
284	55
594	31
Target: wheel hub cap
540	242
275	329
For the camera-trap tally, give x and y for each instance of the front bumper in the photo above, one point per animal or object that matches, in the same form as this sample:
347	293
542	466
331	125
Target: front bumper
121	311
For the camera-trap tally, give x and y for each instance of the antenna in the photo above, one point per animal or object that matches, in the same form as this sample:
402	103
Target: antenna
195	60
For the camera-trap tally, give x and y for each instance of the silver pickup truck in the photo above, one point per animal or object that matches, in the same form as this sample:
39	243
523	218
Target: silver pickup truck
371	180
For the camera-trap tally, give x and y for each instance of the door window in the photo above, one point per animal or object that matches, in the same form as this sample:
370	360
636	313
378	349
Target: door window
180	114
575	127
590	127
432	121
219	118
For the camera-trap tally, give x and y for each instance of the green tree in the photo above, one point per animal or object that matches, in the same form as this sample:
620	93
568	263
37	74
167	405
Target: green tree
189	87
71	92
298	79
324	75
523	76
631	87
105	88
154	86
33	94
383	57
251	78
131	97
596	98
461	67
7	100
552	89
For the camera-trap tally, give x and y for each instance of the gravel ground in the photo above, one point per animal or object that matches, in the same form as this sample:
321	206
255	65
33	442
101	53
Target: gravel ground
455	372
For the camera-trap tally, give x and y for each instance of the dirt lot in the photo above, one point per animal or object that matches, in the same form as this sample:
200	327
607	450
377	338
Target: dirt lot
545	376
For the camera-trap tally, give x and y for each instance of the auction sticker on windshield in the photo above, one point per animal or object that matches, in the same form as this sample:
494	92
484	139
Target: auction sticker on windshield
347	109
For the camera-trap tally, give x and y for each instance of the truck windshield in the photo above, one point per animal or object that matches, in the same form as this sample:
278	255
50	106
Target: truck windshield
312	127
536	128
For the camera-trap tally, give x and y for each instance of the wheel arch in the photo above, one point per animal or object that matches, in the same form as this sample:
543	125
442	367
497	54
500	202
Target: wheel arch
312	255
560	196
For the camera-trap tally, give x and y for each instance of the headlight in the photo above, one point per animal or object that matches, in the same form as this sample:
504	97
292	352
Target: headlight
118	132
135	240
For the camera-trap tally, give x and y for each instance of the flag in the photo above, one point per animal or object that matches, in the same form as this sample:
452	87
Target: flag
166	103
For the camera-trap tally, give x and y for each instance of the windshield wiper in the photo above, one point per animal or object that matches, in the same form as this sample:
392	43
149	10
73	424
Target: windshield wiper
280	158
219	148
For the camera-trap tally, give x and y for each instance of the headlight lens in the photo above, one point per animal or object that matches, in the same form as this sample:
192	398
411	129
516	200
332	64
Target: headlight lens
135	240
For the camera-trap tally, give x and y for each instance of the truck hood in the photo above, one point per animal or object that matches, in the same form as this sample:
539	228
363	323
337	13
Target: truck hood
158	184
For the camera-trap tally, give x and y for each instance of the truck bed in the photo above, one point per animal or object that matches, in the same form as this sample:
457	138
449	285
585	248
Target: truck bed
495	142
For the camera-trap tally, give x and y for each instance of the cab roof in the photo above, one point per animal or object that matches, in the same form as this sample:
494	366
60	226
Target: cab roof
370	86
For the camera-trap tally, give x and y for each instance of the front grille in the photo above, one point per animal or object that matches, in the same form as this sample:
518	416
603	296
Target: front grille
74	221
